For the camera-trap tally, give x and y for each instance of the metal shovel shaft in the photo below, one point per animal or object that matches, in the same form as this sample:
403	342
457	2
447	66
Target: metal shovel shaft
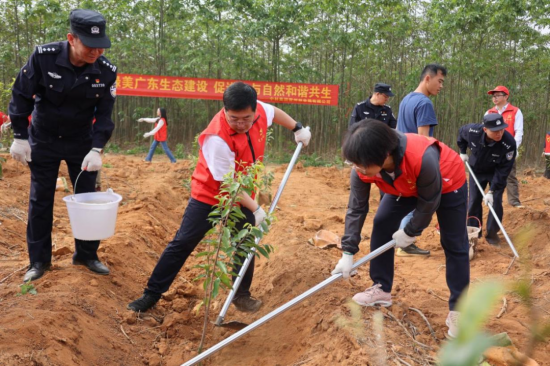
246	263
493	212
288	305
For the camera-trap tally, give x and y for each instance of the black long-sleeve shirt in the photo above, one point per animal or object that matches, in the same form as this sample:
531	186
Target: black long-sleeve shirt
366	109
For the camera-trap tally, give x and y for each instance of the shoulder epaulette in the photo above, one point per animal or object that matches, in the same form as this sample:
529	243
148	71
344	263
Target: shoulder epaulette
50	48
103	61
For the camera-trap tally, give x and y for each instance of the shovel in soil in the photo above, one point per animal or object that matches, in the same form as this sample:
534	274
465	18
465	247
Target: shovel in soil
235	324
384	248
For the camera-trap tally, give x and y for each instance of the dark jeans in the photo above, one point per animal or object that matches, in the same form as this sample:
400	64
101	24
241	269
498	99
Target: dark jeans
47	152
358	207
194	227
451	215
475	204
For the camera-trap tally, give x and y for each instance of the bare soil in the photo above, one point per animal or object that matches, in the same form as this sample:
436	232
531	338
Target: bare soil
78	318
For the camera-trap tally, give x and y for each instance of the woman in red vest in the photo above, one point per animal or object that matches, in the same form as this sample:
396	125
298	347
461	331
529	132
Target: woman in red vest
417	173
546	155
160	133
234	140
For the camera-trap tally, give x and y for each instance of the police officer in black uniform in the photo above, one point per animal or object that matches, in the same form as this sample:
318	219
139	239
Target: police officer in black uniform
64	85
493	152
375	107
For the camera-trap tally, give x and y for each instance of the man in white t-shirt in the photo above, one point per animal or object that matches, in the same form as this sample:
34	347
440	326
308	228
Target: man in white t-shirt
234	139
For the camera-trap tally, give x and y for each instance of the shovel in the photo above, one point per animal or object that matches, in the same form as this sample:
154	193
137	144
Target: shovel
389	245
516	255
236	324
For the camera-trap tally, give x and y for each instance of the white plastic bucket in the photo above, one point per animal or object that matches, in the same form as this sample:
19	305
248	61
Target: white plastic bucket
93	215
473	233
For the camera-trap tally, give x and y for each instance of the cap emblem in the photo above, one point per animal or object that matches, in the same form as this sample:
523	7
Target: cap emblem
95	30
498	123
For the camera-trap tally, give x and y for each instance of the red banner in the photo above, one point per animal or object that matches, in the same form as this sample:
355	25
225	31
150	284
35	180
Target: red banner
193	88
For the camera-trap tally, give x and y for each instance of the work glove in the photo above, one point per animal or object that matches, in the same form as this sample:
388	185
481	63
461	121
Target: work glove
344	265
488	200
92	161
147	134
402	240
141	120
21	151
302	135
6	126
464	157
259	215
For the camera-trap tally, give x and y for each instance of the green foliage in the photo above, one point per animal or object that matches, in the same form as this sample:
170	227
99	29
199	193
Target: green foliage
27	288
107	165
228	243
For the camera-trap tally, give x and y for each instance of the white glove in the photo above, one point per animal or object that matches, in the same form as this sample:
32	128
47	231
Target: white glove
259	215
402	240
6	127
464	157
92	161
147	134
141	120
302	135
21	151
344	265
488	200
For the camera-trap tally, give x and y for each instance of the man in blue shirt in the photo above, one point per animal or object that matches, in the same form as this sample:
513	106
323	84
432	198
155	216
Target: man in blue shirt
417	115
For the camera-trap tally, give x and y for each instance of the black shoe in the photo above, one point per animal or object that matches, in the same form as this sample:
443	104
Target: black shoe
247	304
493	240
144	303
412	251
93	265
36	270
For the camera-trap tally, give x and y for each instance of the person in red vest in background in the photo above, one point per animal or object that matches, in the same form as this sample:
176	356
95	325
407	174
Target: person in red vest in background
160	133
4	125
233	141
514	119
416	173
546	155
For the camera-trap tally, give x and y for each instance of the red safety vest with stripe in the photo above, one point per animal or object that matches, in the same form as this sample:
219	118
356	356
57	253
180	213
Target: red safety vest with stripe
509	116
247	147
547	143
451	166
161	134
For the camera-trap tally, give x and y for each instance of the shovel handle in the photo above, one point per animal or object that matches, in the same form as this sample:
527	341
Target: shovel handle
288	305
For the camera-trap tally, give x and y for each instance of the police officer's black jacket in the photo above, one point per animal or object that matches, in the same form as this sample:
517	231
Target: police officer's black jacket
64	105
495	158
366	109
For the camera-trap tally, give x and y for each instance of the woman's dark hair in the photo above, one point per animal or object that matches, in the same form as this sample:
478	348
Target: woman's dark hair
239	96
163	115
369	142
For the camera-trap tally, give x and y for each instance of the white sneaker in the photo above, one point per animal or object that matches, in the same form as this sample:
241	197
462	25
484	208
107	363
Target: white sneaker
373	296
452	323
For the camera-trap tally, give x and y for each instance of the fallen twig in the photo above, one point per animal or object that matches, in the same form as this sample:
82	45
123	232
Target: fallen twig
431	292
407	331
510	265
427	322
11	274
504	307
160	223
399	358
126	335
302	362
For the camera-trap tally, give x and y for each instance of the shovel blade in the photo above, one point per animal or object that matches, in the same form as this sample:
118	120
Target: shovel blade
235	325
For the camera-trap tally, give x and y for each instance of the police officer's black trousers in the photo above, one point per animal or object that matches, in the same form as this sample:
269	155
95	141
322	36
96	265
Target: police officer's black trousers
47	153
194	227
451	216
475	204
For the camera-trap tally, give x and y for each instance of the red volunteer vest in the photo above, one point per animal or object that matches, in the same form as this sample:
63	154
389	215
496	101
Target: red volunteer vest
547	144
204	187
509	116
160	135
452	168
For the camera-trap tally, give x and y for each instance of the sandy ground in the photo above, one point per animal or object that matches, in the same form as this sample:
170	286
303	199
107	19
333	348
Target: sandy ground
78	318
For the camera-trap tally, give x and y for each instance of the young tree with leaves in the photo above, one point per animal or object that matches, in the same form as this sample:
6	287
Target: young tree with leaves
234	140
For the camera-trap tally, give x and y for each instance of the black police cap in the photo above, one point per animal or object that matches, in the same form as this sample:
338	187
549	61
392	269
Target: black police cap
494	122
89	26
384	89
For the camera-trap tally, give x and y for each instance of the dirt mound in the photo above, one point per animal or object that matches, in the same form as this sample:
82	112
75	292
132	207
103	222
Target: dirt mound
80	318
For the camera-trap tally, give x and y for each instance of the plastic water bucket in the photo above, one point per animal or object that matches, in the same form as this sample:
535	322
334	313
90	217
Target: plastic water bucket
473	233
93	215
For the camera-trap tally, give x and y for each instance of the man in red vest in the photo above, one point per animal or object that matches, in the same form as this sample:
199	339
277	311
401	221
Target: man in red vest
546	155
514	119
417	173
234	139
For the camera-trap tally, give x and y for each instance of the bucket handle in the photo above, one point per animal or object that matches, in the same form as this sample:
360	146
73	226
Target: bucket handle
76	182
473	217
